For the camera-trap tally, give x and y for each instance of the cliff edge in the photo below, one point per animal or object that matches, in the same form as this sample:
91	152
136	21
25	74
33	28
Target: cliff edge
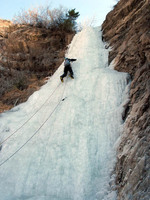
127	31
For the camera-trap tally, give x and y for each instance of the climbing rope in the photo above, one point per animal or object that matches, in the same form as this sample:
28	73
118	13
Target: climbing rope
61	99
30	117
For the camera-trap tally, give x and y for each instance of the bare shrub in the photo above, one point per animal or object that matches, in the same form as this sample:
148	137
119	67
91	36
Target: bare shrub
5	84
58	18
17	79
20	81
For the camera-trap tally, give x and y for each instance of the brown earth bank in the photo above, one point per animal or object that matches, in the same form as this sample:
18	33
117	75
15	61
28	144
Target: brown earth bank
127	31
27	56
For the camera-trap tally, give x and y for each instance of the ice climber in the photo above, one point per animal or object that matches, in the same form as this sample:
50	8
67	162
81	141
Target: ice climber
67	68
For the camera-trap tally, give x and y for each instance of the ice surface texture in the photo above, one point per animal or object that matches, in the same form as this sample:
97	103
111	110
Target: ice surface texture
72	155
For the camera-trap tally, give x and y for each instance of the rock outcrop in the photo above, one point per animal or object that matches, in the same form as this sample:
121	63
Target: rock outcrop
27	56
4	24
127	31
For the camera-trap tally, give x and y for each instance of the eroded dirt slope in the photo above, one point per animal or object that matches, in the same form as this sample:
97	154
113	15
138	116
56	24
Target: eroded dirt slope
27	56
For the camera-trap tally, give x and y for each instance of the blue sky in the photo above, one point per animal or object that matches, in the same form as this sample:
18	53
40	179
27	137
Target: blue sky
87	8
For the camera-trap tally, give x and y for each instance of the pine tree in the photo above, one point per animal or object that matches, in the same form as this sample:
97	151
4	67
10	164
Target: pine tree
70	21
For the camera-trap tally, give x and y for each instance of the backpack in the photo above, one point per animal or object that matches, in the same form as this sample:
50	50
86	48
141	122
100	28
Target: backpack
66	63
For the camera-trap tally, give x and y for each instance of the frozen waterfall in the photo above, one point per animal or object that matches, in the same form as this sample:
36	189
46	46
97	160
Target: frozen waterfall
72	153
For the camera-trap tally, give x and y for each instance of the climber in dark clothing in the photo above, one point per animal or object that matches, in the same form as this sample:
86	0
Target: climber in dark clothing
67	68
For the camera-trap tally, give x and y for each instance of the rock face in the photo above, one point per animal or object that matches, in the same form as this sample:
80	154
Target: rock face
27	55
127	31
4	24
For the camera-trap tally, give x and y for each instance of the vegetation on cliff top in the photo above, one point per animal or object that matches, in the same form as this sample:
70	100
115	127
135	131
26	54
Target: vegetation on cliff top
56	19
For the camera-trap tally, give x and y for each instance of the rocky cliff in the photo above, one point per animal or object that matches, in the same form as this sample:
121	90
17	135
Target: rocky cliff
27	55
127	31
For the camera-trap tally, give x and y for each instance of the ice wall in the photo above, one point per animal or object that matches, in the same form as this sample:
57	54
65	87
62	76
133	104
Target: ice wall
72	152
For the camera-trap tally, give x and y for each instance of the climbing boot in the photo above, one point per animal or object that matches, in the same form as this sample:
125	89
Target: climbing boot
61	78
72	76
